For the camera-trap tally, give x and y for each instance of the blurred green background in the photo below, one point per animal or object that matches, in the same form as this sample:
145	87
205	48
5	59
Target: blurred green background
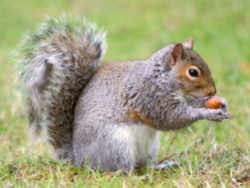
211	155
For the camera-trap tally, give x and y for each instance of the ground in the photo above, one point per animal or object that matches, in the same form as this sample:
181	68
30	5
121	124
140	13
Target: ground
211	155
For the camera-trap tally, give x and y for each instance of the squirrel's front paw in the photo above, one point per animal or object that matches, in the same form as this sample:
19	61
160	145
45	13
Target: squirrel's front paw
216	114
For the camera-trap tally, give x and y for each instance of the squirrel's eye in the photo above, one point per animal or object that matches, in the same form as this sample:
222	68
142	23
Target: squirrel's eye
193	72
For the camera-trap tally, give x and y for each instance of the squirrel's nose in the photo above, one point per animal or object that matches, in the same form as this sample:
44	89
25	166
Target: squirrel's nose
211	91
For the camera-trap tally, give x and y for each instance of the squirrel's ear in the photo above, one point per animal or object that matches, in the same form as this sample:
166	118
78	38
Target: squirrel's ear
189	43
176	54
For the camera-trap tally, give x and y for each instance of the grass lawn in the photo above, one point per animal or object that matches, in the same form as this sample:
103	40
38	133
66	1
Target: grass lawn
211	155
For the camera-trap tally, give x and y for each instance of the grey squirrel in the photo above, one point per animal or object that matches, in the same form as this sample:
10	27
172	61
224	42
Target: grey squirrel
109	115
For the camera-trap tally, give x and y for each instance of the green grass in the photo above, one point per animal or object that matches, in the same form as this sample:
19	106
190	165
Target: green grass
210	155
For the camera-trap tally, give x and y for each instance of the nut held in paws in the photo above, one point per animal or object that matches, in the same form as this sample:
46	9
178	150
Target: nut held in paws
214	103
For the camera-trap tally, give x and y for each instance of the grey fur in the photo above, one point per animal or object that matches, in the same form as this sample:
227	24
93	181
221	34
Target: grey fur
150	89
108	117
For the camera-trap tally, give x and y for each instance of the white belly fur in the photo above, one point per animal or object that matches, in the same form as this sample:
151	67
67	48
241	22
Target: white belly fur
142	141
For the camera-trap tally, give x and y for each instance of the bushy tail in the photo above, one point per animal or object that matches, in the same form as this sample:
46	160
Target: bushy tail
58	60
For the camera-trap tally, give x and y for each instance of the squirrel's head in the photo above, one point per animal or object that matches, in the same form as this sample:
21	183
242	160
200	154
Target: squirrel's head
187	68
172	75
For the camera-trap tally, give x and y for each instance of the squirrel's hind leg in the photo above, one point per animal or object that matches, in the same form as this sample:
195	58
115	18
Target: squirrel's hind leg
104	150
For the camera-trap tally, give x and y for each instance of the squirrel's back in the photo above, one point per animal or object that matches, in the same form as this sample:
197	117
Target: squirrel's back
59	58
104	91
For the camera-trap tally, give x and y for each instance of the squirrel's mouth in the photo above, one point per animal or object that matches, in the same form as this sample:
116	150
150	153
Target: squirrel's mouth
201	98
197	102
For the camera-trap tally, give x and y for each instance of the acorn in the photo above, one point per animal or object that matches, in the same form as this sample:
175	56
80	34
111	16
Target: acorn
214	103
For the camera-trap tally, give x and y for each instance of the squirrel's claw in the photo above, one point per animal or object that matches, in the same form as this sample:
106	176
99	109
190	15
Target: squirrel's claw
166	164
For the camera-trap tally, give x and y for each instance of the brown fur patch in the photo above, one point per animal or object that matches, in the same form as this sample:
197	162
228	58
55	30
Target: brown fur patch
136	117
